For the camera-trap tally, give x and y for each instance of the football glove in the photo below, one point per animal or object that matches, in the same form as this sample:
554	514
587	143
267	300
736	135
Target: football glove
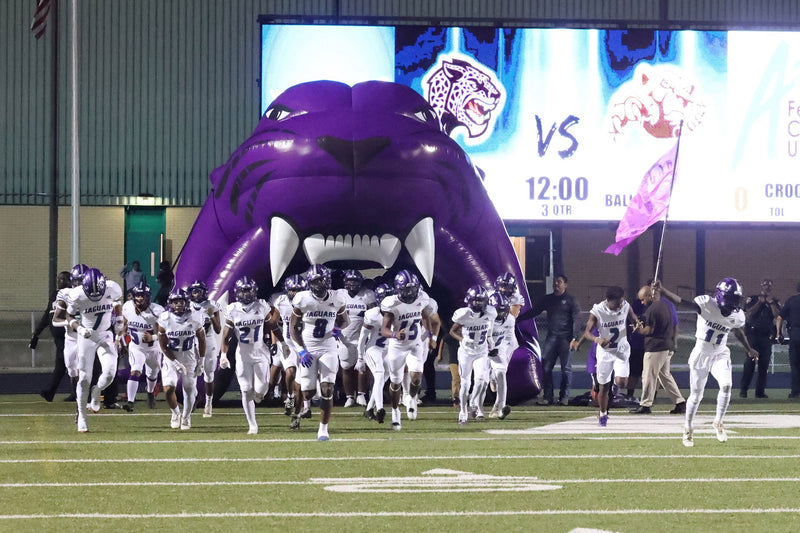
224	362
84	332
180	368
198	369
336	333
361	366
306	359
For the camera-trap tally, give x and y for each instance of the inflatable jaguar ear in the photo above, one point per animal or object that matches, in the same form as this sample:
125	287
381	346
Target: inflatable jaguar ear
357	178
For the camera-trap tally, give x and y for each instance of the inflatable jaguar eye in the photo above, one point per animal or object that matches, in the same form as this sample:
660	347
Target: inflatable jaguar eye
277	112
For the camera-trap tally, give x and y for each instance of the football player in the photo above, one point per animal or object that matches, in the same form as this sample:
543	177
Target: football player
287	350
505	342
60	320
472	327
406	313
209	309
141	323
320	311
357	300
506	284
717	316
250	318
179	328
372	354
92	308
611	317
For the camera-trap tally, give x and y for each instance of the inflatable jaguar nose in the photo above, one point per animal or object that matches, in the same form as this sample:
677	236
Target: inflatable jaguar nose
355	177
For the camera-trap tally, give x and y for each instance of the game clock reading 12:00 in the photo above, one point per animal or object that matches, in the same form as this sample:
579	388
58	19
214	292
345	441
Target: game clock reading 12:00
557	194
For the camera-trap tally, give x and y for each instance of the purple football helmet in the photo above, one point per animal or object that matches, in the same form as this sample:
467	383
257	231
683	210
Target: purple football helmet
501	305
246	290
506	284
319	280
353	281
141	295
476	298
406	286
728	295
94	284
178	302
198	291
382	291
294	284
76	274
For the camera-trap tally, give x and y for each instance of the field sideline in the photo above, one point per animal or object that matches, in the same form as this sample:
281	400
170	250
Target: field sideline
543	468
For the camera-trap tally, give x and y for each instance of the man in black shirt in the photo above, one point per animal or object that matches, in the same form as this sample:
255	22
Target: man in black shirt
761	311
562	318
62	282
791	314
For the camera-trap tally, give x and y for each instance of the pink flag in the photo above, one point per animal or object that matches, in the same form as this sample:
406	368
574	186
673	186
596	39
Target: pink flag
650	203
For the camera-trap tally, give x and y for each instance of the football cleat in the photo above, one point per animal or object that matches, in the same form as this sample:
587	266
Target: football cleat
94	400
151	400
305	413
186	423
295	424
350	402
479	416
322	434
361	400
380	415
397	426
494	412
602	420
288	406
719	428
128	406
462	419
208	410
175	421
411	412
82	426
504	413
688	438
369	414
253	430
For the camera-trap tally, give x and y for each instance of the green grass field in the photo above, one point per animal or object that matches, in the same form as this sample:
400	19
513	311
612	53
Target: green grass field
543	469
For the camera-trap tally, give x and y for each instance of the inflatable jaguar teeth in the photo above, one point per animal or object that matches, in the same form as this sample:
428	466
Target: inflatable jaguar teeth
357	177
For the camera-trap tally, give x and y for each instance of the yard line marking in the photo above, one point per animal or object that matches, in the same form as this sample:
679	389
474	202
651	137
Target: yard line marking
391	458
380	514
317	481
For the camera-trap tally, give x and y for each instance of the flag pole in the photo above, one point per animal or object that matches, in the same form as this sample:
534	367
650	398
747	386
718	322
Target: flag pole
666	213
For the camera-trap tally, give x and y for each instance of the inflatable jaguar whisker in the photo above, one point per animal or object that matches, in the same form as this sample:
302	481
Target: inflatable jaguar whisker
357	177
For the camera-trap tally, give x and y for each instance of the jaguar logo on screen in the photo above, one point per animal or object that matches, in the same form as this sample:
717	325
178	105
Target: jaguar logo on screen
657	99
465	93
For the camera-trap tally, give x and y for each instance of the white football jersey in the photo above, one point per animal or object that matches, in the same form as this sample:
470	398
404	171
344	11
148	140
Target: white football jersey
203	308
611	325
712	327
139	323
94	315
283	304
503	334
181	331
248	323
63	295
356	306
319	316
407	317
374	319
476	328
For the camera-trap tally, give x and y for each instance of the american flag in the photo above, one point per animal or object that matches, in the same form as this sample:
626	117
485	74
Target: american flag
39	22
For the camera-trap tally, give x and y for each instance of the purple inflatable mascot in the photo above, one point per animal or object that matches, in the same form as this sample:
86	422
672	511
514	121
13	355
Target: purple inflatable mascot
356	177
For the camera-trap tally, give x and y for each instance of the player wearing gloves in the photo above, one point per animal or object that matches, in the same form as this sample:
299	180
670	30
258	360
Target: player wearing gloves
320	310
372	354
287	350
209	310
250	319
141	324
505	342
357	300
472	327
178	330
91	310
406	314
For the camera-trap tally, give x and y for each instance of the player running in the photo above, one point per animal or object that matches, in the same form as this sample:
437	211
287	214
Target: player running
209	310
141	323
372	354
357	300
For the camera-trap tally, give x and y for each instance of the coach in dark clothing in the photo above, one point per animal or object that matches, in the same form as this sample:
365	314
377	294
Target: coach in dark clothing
562	326
761	311
60	369
791	314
